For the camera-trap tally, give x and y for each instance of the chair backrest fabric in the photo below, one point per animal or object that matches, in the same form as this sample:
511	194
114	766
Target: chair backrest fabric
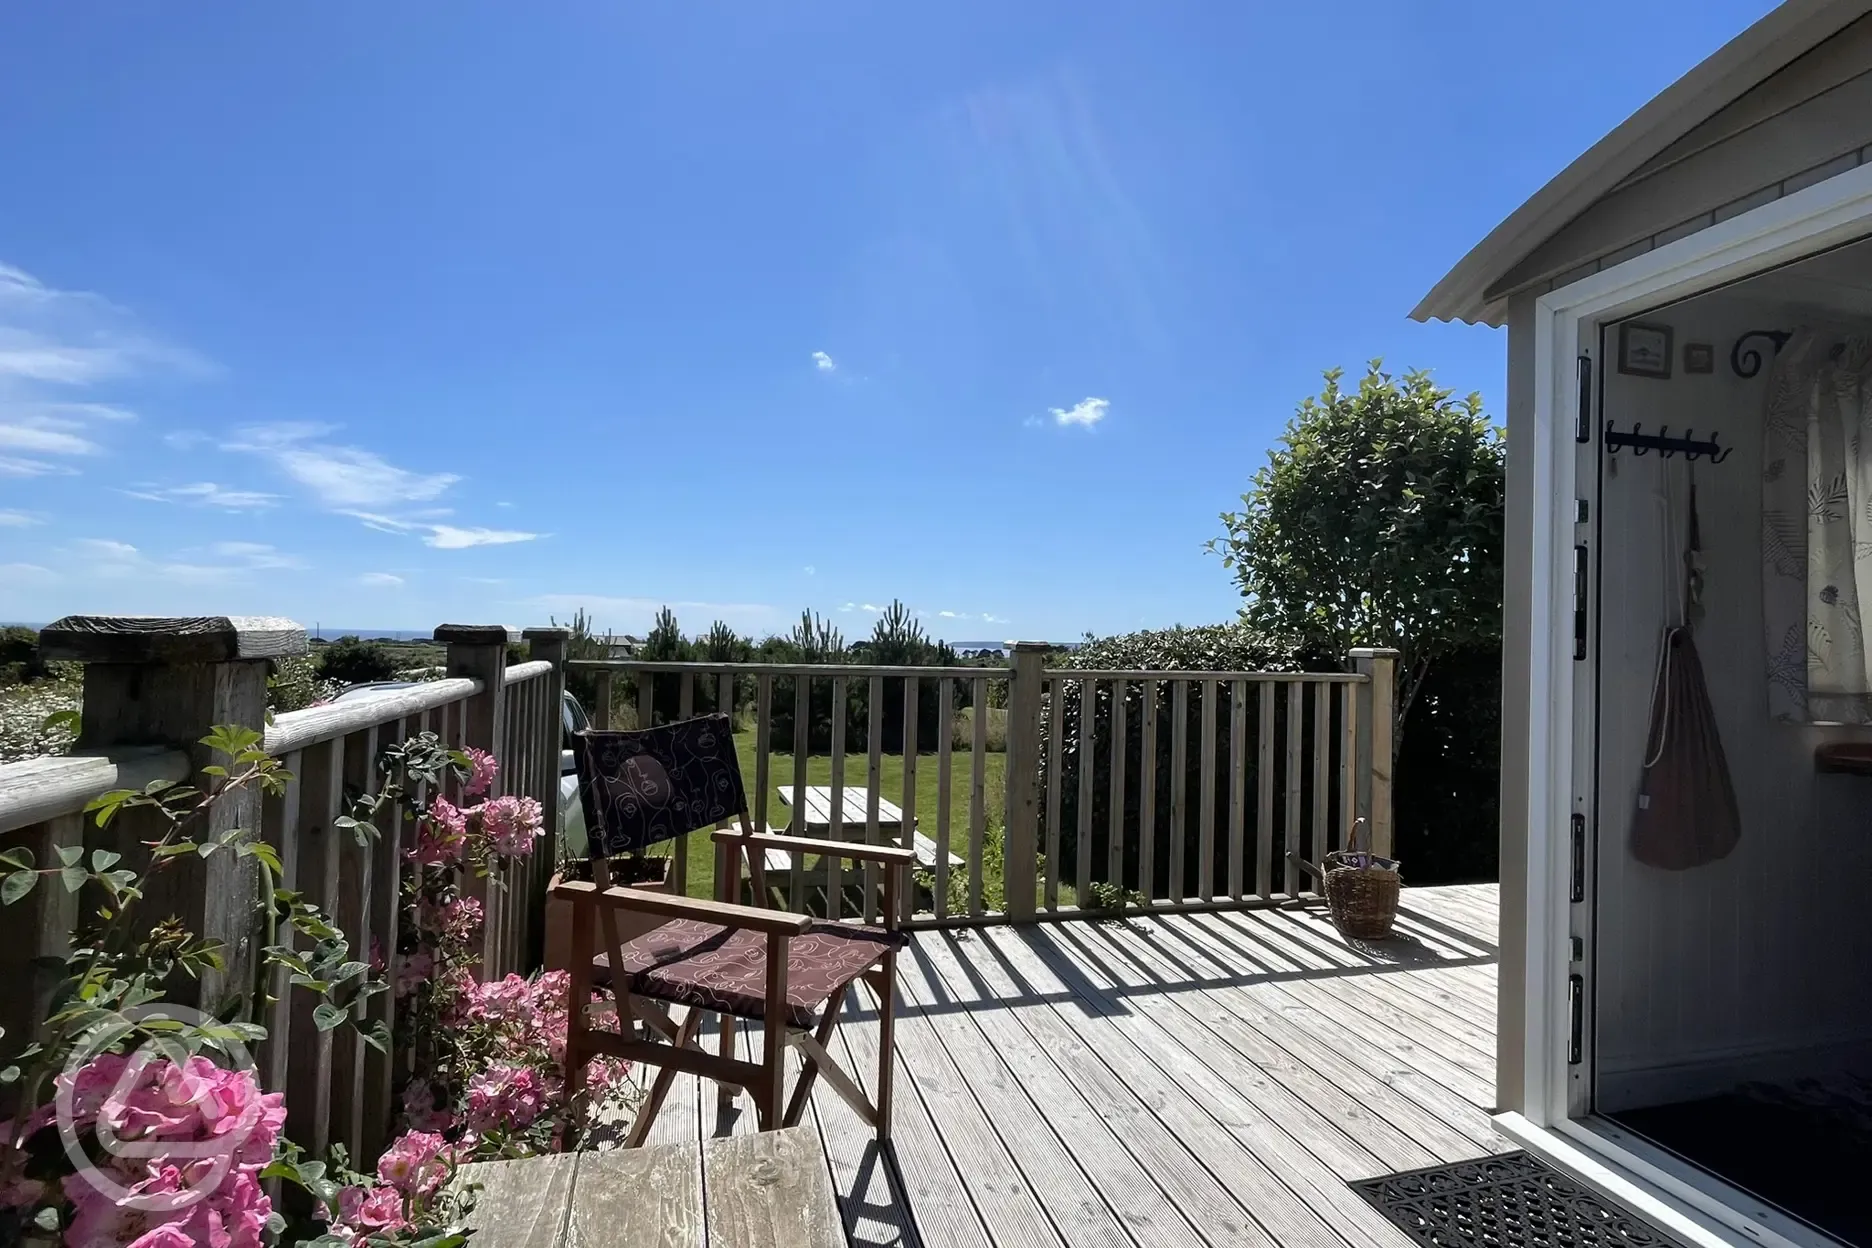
642	787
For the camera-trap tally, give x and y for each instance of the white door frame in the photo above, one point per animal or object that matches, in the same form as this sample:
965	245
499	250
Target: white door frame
1820	216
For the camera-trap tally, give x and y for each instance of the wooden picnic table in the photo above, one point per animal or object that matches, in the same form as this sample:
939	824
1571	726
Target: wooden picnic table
855	811
770	1190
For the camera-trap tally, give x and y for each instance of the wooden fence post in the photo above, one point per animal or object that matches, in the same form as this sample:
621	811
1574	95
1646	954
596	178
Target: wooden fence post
479	652
1375	728
155	681
1026	665
547	645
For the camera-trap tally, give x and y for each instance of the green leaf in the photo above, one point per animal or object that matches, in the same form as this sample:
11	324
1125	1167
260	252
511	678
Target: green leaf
68	720
265	853
74	878
70	855
104	859
17	886
327	1016
20	859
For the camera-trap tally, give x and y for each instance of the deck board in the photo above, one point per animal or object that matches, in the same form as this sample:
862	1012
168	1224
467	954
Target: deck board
1205	1080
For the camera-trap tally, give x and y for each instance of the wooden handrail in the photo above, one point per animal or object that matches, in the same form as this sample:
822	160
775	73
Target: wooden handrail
295	730
670	906
44	788
857	851
527	671
827	670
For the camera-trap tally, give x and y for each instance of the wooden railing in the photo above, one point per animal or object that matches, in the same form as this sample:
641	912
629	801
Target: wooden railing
1220	786
152	688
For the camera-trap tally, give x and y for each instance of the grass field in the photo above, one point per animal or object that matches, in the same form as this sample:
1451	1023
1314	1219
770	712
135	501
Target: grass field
701	882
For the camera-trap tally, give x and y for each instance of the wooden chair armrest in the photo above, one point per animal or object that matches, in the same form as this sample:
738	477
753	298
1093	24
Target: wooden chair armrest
889	855
725	913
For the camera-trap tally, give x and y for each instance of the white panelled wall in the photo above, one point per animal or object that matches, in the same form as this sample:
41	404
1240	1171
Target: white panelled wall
1756	966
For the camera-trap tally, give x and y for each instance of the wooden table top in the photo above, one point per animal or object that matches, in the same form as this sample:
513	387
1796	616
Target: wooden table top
856	807
770	1190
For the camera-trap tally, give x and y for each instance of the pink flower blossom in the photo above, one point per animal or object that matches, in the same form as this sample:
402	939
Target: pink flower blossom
371	1208
413	970
458	920
415	1164
170	1236
512	824
505	1096
442	836
482	770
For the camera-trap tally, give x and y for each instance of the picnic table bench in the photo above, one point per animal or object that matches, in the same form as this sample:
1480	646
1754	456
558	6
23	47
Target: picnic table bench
770	1190
816	821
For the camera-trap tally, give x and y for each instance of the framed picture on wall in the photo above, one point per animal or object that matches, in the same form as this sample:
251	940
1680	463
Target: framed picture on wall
1699	357
1644	350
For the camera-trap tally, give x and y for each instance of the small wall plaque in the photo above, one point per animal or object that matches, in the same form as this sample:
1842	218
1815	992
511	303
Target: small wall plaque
1699	357
1644	350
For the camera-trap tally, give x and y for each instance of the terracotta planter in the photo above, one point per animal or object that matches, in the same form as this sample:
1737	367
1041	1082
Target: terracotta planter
630	926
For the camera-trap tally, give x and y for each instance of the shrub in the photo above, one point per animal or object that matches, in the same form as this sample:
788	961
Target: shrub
353	662
1218	647
294	684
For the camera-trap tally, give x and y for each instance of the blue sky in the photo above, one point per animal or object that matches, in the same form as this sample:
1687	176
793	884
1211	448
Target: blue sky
387	315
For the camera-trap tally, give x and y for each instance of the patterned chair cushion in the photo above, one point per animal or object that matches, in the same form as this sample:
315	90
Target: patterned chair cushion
639	788
688	962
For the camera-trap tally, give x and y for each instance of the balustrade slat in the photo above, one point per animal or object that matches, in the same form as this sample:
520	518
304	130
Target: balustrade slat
834	867
874	784
1056	783
945	740
1348	764
646	699
280	820
1147	798
1179	777
1238	788
1205	864
1082	854
601	711
679	848
978	793
385	904
352	911
1322	773
802	708
1115	829
1295	712
1264	795
763	760
725	888
309	1079
907	903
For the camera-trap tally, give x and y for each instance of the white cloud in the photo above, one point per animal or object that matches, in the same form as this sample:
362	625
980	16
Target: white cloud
109	559
206	494
340	476
949	615
184	439
811	571
994	619
1085	413
441	536
52	343
823	362
17	519
16	572
380	580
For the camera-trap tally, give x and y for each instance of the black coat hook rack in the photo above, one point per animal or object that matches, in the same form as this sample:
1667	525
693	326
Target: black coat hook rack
1667	447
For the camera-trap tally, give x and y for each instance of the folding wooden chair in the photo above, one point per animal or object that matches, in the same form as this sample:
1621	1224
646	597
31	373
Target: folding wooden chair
790	972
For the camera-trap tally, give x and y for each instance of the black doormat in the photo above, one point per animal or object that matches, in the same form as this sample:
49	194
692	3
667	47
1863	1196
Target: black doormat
1506	1202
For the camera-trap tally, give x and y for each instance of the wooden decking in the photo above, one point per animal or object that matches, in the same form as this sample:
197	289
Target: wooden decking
1180	1080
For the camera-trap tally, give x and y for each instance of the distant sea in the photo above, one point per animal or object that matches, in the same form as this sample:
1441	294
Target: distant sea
331	632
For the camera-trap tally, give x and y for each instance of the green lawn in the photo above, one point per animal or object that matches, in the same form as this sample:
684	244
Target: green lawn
701	882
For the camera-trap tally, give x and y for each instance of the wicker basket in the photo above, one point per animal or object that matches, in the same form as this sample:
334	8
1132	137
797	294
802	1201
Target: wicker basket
1361	891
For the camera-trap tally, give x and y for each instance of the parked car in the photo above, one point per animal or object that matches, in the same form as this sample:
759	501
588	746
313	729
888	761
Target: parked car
570	813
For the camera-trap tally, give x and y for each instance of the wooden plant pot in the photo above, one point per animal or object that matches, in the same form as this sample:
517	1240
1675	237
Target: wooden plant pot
652	877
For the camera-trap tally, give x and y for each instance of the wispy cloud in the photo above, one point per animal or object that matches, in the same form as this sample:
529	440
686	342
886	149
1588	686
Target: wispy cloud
54	342
441	536
380	580
206	494
17	572
823	362
1084	414
339	476
104	558
863	608
10	519
811	571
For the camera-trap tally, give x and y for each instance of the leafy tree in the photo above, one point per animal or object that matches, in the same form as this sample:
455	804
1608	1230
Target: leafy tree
1377	521
665	642
353	662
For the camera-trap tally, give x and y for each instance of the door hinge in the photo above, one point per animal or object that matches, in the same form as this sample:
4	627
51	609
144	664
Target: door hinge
1579	601
1579	859
1576	1027
1582	426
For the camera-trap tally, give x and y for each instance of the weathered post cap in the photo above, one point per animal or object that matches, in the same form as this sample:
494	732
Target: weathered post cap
475	634
546	633
171	639
1028	646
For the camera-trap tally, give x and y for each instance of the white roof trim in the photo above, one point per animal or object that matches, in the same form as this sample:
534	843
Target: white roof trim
1791	30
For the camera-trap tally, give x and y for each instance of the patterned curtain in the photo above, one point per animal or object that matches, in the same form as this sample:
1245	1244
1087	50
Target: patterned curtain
1817	530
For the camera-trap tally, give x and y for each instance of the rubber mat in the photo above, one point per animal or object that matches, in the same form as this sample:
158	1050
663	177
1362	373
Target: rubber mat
1510	1201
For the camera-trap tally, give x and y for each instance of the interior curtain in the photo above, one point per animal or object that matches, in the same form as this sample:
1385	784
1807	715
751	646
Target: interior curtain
1817	530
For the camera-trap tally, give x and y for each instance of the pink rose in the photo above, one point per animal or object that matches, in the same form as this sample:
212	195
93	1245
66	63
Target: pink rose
414	1163
512	824
442	836
482	771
